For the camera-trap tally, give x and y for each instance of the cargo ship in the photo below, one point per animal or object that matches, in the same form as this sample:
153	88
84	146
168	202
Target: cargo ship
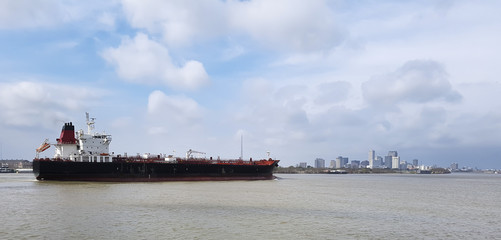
85	156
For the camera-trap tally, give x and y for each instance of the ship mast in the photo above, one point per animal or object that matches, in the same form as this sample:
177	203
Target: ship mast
90	123
241	147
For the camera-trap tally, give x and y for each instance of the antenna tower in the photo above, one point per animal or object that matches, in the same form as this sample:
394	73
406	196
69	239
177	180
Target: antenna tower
90	123
242	146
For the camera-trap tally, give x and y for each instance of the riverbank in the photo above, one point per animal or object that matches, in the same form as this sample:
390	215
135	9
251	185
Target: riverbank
298	170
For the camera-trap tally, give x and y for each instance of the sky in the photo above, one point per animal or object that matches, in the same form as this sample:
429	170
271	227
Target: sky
298	79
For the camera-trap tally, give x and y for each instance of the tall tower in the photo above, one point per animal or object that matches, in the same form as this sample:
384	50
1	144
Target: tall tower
393	153
339	162
395	162
372	156
388	160
415	163
319	163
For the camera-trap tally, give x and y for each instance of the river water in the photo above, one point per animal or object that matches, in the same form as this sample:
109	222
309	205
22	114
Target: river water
348	206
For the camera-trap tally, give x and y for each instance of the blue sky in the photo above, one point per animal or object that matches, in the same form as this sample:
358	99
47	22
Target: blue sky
301	79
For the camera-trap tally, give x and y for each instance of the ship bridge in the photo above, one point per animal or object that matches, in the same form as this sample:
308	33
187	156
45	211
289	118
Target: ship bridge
85	147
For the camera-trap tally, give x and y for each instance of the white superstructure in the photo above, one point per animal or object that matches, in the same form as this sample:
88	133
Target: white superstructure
85	147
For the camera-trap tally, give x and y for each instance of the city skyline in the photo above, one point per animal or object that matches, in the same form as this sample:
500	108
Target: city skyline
298	79
390	161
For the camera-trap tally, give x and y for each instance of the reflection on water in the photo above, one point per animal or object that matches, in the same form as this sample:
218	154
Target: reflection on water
294	206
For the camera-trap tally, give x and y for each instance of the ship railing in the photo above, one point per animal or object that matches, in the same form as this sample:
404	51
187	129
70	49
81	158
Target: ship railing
54	159
138	159
178	160
225	161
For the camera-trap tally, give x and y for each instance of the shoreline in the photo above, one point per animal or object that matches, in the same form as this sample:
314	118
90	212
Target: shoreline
296	170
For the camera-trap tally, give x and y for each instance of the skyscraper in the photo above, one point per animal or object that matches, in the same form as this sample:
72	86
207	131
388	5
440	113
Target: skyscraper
333	164
415	162
372	156
393	153
395	162
319	163
388	160
355	164
344	161
341	162
377	162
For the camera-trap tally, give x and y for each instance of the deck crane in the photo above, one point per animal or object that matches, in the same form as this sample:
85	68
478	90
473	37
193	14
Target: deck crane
190	154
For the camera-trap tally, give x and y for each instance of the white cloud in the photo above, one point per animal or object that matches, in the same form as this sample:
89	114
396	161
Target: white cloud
29	103
416	81
178	110
107	20
300	59
16	14
180	22
275	116
143	60
233	52
330	92
314	119
287	25
174	122
25	13
278	25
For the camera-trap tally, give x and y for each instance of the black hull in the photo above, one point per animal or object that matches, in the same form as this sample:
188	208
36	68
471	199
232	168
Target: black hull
147	171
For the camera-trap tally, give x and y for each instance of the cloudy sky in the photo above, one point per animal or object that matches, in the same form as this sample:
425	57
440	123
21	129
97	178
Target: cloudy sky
301	79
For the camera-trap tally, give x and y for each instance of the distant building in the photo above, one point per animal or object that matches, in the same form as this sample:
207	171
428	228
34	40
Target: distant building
341	162
377	162
344	161
454	166
15	164
403	165
395	162
393	153
355	164
319	163
372	157
303	164
364	164
388	161
423	167
415	162
333	164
